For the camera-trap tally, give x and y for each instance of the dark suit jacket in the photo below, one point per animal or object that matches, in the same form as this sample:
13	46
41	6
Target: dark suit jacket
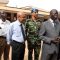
48	33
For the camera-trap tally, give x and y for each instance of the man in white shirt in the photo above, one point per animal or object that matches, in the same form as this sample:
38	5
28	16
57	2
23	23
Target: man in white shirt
16	36
4	24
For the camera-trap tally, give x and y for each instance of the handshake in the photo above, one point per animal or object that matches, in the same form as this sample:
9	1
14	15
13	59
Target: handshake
56	40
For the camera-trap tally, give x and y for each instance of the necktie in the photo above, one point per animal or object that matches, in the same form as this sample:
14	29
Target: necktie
55	27
54	24
23	33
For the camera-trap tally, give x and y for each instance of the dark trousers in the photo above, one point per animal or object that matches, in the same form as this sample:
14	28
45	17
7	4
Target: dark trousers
18	50
6	52
36	51
52	56
4	48
59	52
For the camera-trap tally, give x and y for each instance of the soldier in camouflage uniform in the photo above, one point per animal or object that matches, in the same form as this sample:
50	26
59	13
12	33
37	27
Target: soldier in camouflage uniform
32	28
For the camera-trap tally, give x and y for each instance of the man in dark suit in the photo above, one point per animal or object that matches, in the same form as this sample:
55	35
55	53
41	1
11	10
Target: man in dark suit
49	33
59	43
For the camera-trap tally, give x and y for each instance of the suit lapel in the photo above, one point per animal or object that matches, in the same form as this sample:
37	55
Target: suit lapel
51	25
56	28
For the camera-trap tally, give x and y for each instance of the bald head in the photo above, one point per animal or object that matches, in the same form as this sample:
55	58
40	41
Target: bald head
21	13
53	11
53	14
21	16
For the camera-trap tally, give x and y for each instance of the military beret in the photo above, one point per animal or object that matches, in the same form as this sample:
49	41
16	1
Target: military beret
34	10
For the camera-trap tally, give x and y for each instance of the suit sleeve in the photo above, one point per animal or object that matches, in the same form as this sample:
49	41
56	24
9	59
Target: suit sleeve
42	34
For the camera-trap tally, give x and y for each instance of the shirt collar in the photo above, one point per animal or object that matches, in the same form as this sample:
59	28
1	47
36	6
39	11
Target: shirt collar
2	21
33	20
51	20
19	23
57	21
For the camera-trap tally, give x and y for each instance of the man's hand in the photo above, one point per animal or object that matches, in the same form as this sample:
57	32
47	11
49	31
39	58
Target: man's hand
56	40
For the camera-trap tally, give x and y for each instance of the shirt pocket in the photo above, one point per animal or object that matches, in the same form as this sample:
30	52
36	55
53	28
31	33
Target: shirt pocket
17	31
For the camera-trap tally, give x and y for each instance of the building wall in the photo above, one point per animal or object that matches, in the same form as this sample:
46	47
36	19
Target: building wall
4	1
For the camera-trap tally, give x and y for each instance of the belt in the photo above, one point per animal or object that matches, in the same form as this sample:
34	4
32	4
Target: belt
49	43
18	42
2	37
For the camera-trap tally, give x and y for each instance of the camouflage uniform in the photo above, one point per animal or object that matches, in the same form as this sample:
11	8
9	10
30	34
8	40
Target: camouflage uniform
32	28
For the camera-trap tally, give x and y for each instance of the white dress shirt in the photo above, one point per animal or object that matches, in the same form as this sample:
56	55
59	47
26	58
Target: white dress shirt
15	33
4	27
52	22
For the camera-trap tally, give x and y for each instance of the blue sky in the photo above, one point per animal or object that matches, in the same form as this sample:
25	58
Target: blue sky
43	4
